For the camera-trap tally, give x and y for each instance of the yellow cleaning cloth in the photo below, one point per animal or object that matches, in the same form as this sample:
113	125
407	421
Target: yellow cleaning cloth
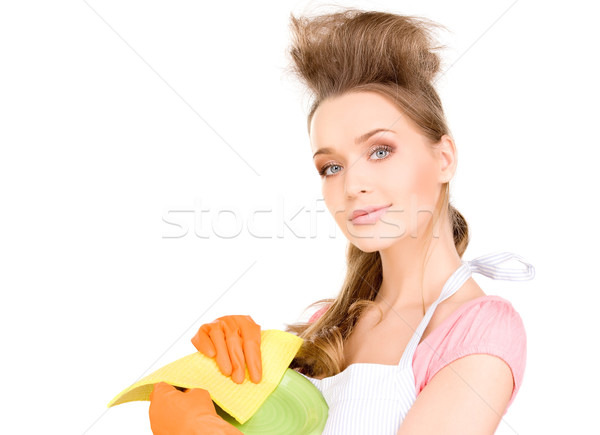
197	370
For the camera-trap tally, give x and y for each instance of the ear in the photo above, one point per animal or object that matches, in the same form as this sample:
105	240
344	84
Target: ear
447	158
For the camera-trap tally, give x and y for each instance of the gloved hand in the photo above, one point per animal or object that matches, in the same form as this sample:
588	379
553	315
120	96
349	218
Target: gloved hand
174	412
235	341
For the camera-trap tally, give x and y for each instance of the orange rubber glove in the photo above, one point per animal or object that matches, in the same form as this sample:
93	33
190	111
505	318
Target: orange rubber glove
235	341
174	412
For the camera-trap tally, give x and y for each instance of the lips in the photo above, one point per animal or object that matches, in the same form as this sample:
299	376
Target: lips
366	210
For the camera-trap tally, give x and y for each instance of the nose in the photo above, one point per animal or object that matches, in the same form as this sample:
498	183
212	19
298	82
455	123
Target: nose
355	182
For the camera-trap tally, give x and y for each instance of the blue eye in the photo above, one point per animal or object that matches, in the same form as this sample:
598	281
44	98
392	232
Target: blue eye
325	168
384	148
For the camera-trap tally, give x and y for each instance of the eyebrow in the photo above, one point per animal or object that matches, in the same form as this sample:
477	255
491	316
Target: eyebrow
357	141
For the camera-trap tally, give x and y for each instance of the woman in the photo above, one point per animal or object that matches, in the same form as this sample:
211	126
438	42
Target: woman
411	344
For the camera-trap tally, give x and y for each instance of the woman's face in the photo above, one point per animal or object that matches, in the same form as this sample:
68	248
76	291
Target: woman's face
395	168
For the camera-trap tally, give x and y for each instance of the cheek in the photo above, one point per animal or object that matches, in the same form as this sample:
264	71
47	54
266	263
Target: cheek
407	180
425	184
413	184
331	201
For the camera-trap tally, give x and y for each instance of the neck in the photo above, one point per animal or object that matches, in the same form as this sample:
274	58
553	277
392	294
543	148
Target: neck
402	264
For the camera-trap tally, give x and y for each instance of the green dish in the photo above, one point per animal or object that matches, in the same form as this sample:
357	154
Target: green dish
296	407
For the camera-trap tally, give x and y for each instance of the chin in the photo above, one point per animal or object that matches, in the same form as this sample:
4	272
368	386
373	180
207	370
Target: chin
375	238
372	243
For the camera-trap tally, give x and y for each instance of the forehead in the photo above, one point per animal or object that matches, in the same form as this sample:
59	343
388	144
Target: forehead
338	120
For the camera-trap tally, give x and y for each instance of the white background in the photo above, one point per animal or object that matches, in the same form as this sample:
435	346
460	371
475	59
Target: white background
116	114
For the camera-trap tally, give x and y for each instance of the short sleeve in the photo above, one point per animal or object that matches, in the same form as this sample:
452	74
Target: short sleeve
490	325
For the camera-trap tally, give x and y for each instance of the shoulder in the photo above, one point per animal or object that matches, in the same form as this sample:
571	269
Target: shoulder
489	317
485	325
491	314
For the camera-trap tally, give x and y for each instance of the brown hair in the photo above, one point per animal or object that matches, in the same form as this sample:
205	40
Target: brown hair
355	50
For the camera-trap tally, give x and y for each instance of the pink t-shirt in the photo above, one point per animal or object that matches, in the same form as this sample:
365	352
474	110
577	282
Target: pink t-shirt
488	324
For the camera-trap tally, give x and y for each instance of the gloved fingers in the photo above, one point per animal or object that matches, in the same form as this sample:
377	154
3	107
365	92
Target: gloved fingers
251	342
235	348
218	337
173	412
202	400
244	351
161	389
199	394
202	341
234	340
